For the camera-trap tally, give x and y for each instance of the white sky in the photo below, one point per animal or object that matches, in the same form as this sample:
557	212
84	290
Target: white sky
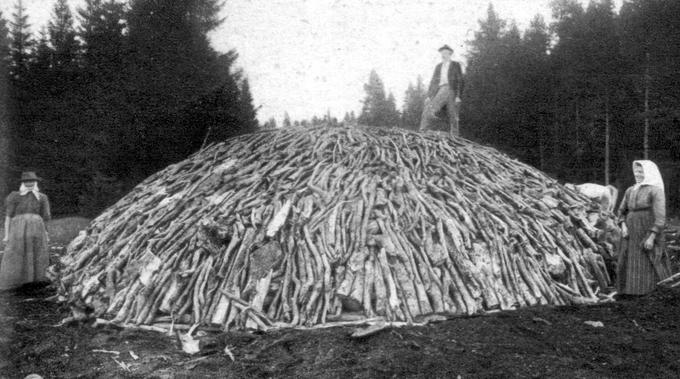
309	56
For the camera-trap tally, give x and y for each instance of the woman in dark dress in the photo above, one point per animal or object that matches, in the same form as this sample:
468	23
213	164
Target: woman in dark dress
26	258
642	214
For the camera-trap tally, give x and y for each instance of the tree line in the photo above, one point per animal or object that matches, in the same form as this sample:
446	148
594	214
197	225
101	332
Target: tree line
99	104
102	97
379	107
580	98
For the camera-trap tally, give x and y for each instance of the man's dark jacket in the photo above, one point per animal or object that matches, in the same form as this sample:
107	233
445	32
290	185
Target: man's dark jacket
455	79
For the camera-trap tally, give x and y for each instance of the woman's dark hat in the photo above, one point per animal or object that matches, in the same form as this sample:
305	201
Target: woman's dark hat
446	47
30	176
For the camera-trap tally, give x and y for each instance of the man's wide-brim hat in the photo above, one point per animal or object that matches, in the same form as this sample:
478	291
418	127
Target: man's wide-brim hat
445	47
30	176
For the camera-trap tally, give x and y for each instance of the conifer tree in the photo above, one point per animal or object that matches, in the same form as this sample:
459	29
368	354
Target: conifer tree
21	41
414	100
378	108
62	36
4	107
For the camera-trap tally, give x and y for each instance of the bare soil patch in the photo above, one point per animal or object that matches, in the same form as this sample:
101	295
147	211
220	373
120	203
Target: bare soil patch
639	339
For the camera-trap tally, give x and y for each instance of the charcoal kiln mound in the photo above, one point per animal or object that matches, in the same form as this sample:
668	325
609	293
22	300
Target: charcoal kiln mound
302	227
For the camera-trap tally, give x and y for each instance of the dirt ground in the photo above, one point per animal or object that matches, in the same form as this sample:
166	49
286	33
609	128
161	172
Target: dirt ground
638	339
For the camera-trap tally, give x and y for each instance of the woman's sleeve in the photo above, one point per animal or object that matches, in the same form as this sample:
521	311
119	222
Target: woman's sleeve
659	209
45	212
623	207
10	205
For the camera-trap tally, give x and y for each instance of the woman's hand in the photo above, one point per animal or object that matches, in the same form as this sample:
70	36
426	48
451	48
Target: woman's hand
649	242
624	230
5	239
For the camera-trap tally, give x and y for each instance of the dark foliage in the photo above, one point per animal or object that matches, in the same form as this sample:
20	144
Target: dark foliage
414	102
137	86
379	108
550	94
4	97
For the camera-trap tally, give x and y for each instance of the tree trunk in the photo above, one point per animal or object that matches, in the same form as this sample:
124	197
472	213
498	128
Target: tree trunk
555	157
606	142
4	156
541	148
4	135
646	134
578	138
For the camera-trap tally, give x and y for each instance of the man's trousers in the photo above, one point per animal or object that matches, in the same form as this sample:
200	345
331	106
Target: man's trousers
444	97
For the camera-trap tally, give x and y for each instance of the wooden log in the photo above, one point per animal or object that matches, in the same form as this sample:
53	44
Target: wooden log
368	288
392	296
382	307
261	289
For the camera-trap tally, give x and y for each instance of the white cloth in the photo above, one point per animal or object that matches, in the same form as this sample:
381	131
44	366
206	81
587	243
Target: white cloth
651	173
592	190
23	190
607	195
444	74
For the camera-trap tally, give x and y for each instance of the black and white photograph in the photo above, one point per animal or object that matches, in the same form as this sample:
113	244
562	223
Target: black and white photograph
339	189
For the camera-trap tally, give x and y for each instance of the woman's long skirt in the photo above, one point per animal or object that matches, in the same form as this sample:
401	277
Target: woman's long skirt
26	257
638	269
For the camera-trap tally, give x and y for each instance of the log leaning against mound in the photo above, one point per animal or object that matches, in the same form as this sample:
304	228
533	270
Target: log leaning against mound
300	227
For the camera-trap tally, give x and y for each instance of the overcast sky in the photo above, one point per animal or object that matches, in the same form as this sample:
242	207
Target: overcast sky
308	56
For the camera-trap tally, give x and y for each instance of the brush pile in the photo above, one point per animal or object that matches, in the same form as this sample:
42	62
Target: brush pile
294	227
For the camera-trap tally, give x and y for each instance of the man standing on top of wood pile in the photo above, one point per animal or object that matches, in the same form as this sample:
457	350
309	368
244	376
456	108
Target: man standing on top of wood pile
445	90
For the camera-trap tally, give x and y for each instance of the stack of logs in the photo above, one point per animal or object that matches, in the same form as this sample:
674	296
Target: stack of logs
301	227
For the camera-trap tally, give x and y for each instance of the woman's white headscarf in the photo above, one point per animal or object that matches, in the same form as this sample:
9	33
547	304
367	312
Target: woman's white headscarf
651	173
23	190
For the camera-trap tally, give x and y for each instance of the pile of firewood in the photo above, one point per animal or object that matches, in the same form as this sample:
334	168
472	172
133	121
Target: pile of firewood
300	227
672	236
673	240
